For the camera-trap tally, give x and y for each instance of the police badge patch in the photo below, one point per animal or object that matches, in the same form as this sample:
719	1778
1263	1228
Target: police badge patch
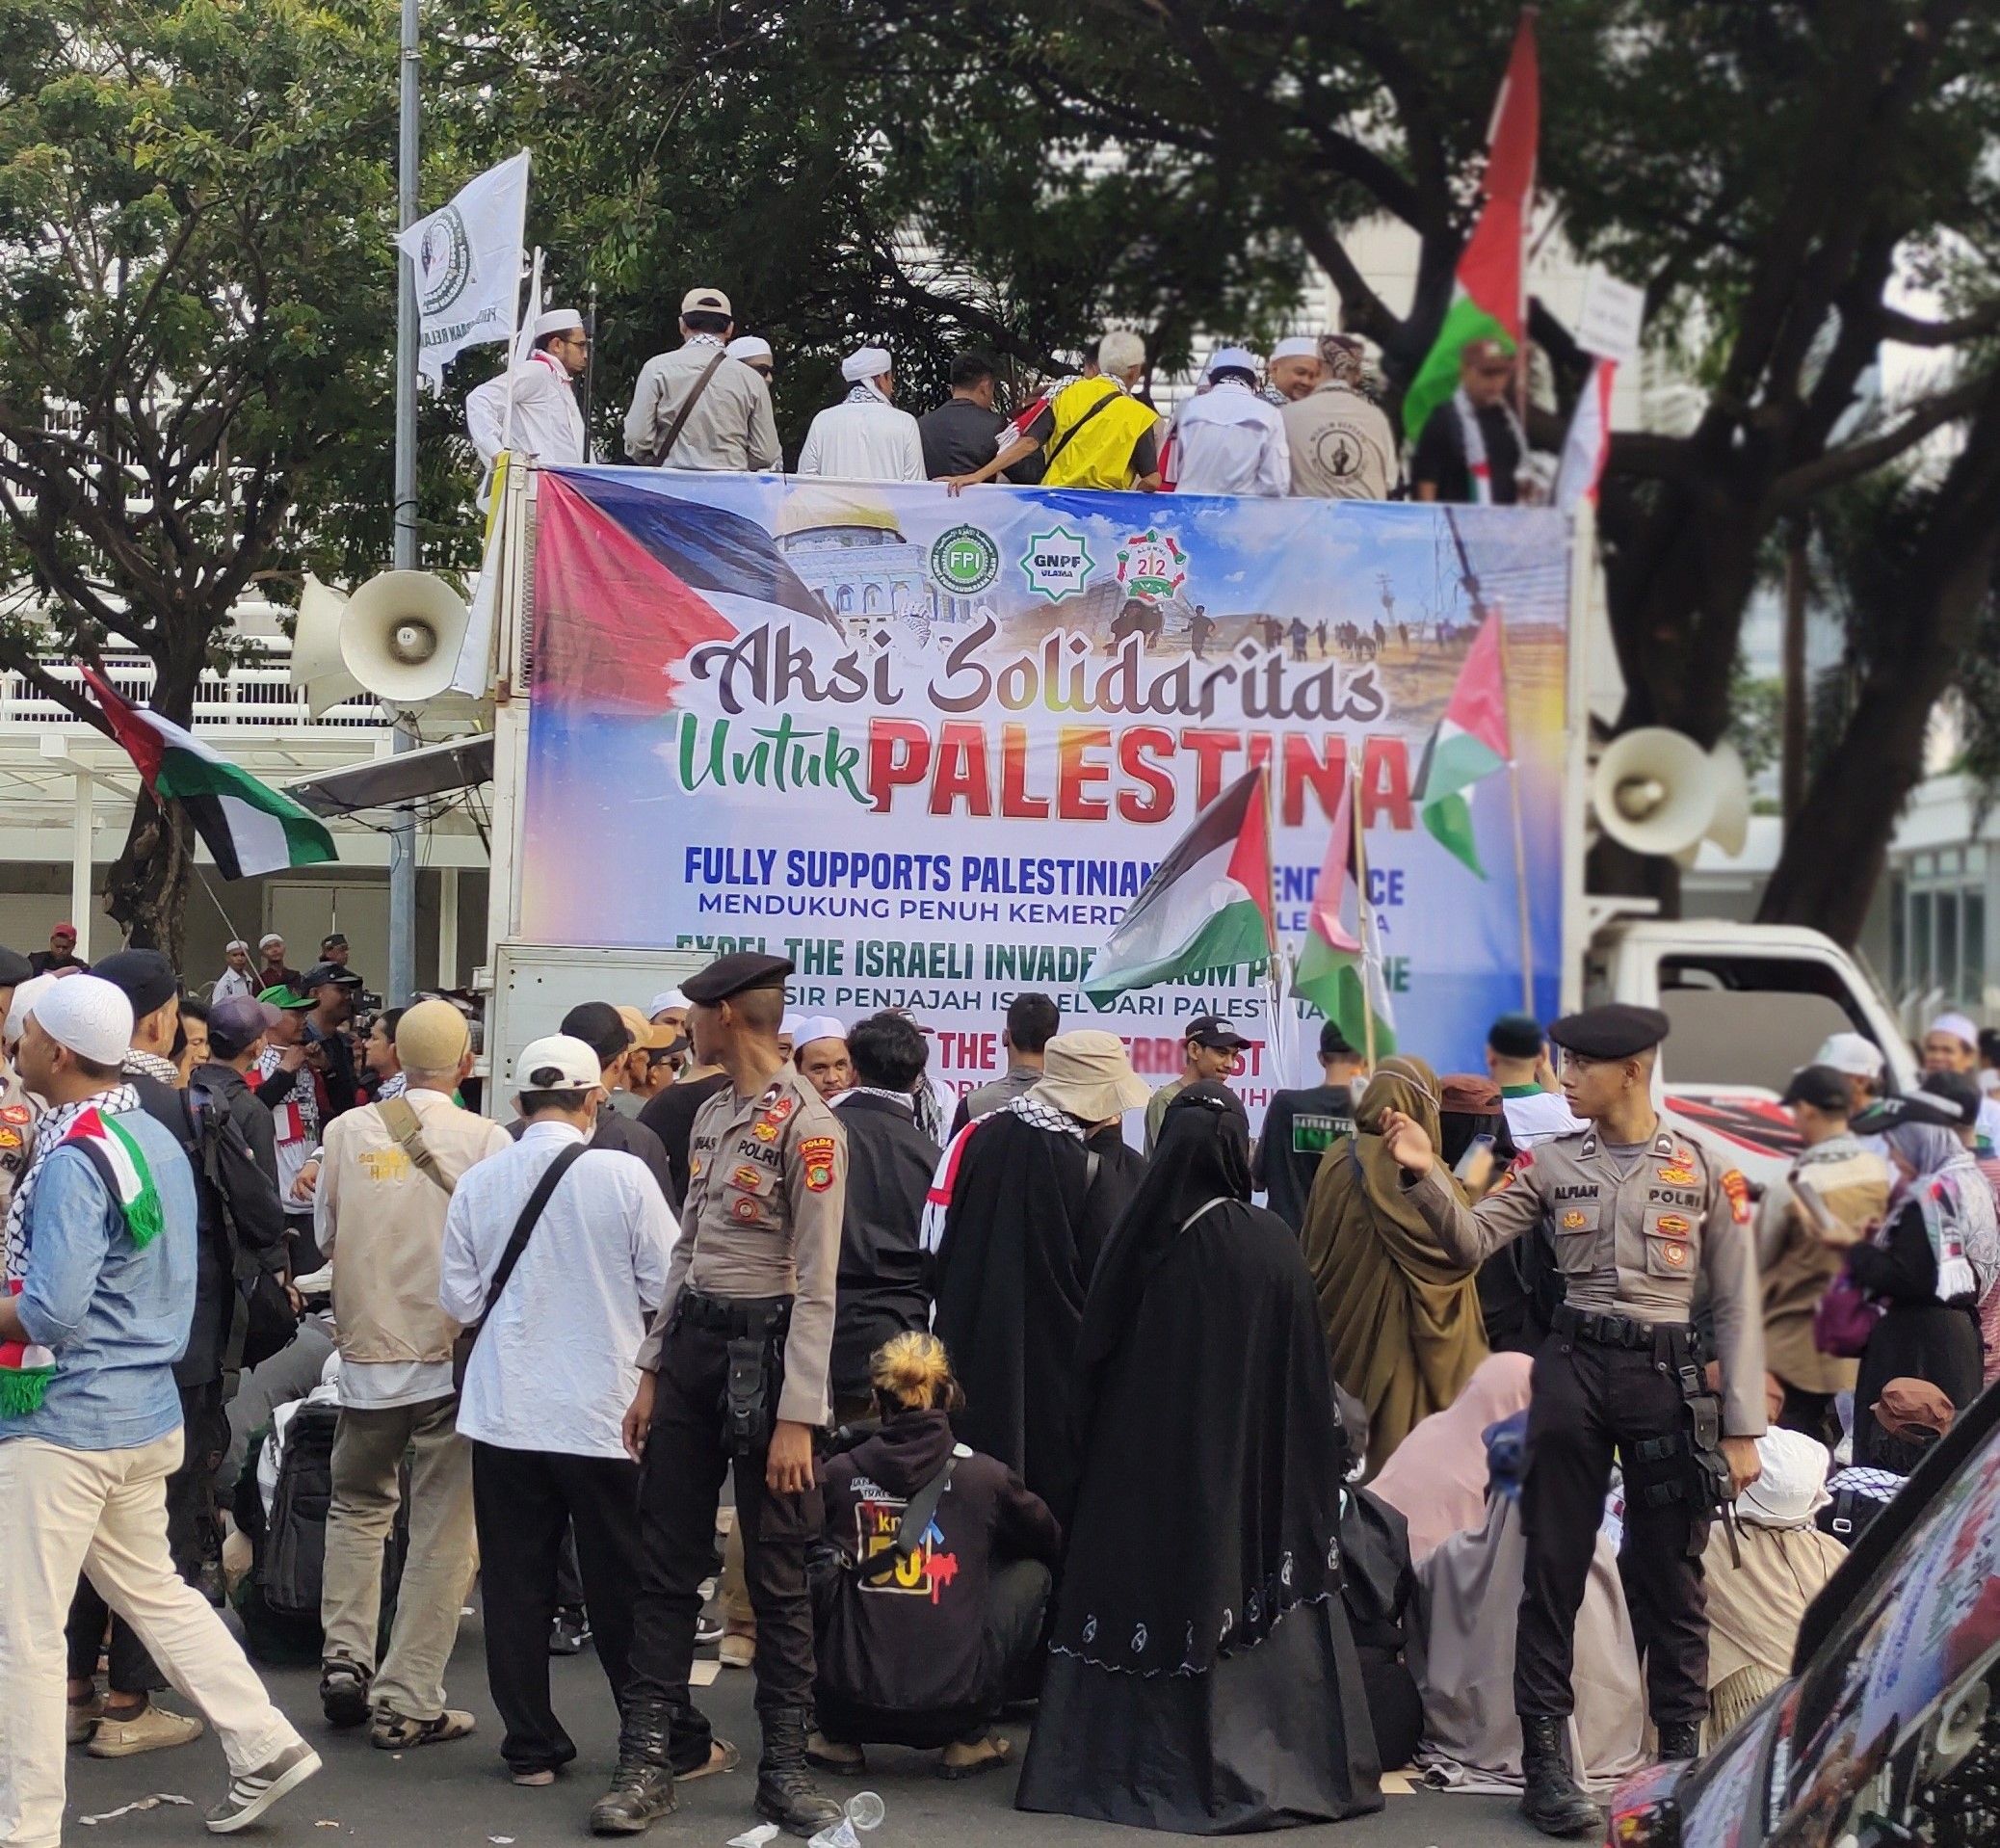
816	1154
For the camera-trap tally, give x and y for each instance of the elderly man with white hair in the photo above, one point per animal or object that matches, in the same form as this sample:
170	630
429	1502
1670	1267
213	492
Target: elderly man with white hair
531	408
1092	431
865	437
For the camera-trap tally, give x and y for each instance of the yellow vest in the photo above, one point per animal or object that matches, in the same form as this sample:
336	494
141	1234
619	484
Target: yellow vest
1101	453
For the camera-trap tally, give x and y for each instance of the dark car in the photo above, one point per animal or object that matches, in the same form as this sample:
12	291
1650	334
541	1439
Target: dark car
1888	1731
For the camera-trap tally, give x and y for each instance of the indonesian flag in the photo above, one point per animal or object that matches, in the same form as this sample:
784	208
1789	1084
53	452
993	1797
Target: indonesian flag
1340	970
1589	441
1488	303
1208	905
1471	741
245	825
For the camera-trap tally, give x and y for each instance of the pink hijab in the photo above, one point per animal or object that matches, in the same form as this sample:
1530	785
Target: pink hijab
1438	1478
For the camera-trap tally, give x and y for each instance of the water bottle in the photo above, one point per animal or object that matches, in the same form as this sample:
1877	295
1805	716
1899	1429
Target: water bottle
864	1811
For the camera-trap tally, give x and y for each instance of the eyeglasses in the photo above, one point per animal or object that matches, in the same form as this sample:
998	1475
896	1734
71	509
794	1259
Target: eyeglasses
763	370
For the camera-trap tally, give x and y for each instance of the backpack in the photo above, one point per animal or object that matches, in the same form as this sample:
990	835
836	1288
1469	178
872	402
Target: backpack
262	1320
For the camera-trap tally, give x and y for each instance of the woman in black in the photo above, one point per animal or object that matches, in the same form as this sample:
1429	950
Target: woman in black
1203	1677
1921	1266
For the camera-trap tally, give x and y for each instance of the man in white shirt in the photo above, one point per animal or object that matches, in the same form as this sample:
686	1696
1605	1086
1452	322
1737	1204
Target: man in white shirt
388	1174
865	437
544	421
1517	1061
550	1377
237	980
1230	439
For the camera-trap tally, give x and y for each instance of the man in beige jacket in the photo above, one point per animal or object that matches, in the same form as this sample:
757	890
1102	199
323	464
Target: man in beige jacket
387	1176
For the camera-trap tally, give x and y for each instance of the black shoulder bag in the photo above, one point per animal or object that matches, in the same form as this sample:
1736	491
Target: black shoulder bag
537	1203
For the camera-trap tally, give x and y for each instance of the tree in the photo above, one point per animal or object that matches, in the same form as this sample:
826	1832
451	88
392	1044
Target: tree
1775	175
197	298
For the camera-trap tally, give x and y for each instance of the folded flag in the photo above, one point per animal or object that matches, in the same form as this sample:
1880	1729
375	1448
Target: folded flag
246	826
1471	741
1340	970
1208	905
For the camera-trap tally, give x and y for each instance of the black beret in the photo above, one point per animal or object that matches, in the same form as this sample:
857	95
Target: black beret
144	977
14	968
1516	1036
1613	1032
736	974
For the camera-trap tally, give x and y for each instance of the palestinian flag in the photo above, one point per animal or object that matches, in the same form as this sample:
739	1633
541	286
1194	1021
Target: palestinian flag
1588	445
245	825
1487	296
1339	972
1208	904
1471	741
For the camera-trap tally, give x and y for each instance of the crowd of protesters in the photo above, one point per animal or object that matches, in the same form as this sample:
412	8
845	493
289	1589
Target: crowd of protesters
1244	1496
1304	421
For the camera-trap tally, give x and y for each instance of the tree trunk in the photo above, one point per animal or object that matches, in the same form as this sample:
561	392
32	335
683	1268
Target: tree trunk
147	890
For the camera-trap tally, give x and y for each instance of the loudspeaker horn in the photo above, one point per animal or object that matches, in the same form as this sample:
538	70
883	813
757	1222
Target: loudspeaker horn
400	635
1654	791
1730	829
316	663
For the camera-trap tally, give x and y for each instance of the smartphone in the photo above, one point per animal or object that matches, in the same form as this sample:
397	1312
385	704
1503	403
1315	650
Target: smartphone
1479	1152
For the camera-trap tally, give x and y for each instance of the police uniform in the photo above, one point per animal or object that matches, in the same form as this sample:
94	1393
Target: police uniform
741	1341
1633	1235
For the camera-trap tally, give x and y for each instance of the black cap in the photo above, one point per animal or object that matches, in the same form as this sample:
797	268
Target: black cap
1959	1087
1212	1031
1516	1036
14	968
323	973
1333	1044
1613	1032
600	1026
144	977
1820	1086
736	973
334	941
237	1023
1920	1106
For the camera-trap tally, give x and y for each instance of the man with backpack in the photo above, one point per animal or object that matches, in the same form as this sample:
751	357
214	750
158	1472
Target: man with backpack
386	1178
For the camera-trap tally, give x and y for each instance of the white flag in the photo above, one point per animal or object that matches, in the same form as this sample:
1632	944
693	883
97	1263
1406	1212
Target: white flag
468	265
1589	441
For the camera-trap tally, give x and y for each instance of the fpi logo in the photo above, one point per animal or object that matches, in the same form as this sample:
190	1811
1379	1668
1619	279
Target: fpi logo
444	264
964	559
1056	563
1151	565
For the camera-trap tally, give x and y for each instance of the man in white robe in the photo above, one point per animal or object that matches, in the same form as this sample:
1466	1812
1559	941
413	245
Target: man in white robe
545	420
865	437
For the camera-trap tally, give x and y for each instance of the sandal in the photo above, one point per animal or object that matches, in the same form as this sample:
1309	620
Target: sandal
722	1757
344	1692
992	1754
842	1760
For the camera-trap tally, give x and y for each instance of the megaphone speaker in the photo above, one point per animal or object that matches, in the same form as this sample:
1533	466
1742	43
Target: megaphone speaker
400	635
1654	791
1730	829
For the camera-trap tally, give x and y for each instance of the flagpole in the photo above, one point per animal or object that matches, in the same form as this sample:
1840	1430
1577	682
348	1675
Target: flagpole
1521	839
514	343
402	975
1273	967
1363	909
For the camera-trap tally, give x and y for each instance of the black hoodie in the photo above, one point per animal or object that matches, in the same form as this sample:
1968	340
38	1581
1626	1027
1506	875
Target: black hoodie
914	1641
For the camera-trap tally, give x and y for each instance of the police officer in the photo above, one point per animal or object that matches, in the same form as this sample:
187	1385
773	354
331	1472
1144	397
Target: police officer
735	1371
1636	1215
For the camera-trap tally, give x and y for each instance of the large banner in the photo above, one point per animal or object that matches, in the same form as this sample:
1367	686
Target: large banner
930	747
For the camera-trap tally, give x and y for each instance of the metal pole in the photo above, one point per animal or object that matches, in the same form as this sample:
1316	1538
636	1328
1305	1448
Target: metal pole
590	383
403	840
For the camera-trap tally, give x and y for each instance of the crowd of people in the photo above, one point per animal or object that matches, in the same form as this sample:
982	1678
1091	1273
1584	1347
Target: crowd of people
1418	1463
1306	421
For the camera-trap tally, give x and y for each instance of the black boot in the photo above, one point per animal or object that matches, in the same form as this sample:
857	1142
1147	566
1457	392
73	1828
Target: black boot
1680	1740
785	1791
1550	1796
642	1787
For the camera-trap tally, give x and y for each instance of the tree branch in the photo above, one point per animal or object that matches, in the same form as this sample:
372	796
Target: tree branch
1910	331
1795	487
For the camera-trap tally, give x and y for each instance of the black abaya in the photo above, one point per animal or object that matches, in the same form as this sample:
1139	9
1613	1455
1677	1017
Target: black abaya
1917	1339
1203	1676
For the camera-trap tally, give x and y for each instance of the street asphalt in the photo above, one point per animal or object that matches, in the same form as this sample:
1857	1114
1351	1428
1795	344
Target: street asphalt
458	1796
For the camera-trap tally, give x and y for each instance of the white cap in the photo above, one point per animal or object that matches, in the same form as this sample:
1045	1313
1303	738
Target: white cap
1297	346
660	1003
818	1026
234	944
704	302
23	1004
558	321
1242	359
90	1017
789	1027
865	362
747	345
1959	1025
561	1062
269	937
1793	1488
1853	1053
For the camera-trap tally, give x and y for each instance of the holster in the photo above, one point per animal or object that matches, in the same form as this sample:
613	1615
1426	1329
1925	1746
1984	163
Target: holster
747	1396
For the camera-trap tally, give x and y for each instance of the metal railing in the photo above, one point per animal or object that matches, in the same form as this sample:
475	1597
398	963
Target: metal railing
252	697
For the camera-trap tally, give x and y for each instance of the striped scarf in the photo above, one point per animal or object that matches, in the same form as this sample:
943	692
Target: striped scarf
25	1369
1476	464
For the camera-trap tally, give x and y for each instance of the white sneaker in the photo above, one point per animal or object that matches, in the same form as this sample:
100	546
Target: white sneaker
153	1728
253	1792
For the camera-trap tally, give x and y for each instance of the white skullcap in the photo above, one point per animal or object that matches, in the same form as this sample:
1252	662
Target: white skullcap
23	1004
234	944
265	942
661	1002
1793	1487
1298	346
558	321
865	362
791	1024
747	345
1242	359
818	1026
1958	1026
90	1017
1853	1053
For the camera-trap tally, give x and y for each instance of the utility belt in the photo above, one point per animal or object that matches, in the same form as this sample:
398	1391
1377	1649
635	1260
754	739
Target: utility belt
753	1329
1603	1328
1688	1465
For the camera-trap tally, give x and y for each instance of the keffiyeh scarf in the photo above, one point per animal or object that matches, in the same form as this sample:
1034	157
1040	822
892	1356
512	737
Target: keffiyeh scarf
937	1202
1477	465
25	1369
